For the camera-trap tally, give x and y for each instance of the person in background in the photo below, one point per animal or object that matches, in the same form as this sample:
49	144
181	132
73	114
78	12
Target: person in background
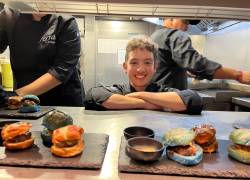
176	56
140	93
44	56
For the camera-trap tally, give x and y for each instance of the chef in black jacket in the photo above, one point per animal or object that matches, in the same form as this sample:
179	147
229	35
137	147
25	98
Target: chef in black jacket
140	93
44	56
176	56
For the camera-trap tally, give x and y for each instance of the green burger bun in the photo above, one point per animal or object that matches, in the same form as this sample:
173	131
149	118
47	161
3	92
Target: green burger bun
52	121
56	119
46	136
240	150
178	136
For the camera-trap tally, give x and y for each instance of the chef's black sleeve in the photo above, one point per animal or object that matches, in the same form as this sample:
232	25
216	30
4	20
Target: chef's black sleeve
3	33
192	101
187	57
68	51
97	95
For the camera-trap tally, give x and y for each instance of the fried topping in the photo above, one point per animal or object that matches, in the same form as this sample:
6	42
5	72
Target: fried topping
189	150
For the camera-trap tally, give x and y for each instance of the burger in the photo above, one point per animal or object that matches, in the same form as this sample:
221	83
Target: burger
205	137
67	141
181	147
17	136
14	102
29	104
52	121
240	149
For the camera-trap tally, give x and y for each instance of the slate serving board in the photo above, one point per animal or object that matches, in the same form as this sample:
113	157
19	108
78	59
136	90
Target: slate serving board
6	113
213	165
40	155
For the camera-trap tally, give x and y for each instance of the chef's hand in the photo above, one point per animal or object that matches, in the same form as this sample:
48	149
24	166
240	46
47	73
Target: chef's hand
245	77
4	95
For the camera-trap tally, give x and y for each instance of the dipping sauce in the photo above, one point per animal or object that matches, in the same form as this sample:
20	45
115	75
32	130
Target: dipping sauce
145	148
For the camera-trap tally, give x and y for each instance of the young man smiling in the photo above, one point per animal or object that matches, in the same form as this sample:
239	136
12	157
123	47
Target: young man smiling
140	93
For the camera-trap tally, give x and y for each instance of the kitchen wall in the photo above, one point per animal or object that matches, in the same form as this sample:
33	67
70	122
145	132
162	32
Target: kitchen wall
198	42
230	47
104	47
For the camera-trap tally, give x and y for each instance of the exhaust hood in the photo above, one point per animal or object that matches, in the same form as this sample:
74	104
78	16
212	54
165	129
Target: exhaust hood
208	9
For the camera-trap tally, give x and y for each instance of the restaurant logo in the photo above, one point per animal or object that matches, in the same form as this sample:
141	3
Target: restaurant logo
48	39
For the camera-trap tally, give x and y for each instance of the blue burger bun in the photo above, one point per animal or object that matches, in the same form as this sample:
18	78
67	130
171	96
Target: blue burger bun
178	137
240	150
182	137
31	97
30	108
56	119
186	160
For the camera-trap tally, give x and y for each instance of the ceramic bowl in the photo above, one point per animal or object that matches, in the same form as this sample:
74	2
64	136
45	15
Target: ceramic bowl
137	131
144	149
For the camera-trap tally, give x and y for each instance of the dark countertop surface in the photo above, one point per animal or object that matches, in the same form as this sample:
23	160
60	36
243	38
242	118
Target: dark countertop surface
113	123
241	101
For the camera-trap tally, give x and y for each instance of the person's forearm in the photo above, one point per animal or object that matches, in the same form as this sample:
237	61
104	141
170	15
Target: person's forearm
117	101
168	100
41	85
227	73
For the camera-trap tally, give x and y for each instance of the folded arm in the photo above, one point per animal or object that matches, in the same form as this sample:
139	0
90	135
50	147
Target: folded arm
180	101
117	101
166	100
101	98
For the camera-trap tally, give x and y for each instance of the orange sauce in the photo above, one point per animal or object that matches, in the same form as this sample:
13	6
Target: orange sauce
145	148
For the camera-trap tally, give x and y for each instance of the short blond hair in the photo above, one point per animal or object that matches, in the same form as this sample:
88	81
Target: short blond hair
141	42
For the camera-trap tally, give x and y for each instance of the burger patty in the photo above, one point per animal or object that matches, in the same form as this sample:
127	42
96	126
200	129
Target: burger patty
20	138
209	148
209	142
243	147
189	150
28	102
66	143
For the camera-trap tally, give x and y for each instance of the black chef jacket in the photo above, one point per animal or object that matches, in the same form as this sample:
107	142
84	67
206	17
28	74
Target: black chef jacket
36	47
96	96
175	56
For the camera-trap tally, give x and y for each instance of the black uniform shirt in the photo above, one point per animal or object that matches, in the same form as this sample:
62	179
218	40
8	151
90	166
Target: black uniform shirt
50	45
96	96
175	56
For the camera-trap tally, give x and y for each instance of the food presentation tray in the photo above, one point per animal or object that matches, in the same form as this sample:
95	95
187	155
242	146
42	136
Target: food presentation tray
40	155
213	165
6	113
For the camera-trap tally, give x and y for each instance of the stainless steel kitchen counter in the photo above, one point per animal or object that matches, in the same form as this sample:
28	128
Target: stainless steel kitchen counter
113	123
224	95
241	101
